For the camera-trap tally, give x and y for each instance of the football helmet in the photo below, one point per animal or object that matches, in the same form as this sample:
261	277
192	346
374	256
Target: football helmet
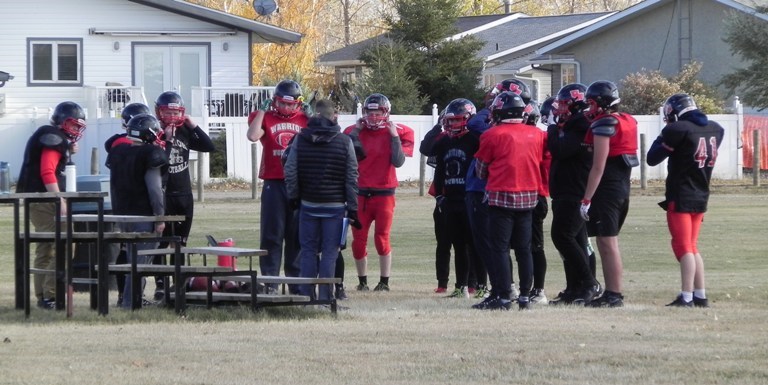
515	85
601	96
69	117
169	108
569	100
456	115
376	108
677	105
287	99
546	110
132	110
145	128
508	105
532	113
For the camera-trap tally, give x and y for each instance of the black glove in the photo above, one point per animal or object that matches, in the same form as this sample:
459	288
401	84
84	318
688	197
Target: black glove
294	203
353	221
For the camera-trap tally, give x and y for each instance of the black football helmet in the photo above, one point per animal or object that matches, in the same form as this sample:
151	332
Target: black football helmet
169	108
508	105
287	98
456	115
382	106
601	96
677	105
546	110
69	117
533	114
517	86
132	110
571	99
145	128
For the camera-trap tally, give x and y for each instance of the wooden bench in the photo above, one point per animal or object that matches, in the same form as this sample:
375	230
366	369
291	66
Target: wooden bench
220	297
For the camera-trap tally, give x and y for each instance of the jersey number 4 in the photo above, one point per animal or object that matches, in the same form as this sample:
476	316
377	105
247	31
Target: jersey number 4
702	154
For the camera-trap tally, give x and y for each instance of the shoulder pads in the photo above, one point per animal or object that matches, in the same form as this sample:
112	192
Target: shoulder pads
157	157
53	138
605	126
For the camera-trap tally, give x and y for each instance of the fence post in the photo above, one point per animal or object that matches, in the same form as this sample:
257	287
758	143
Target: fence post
643	166
254	172
756	158
94	161
200	189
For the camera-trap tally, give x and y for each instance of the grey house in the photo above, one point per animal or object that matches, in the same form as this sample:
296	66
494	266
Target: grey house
660	35
509	42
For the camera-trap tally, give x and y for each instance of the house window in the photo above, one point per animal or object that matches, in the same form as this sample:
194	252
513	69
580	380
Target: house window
347	75
55	62
567	74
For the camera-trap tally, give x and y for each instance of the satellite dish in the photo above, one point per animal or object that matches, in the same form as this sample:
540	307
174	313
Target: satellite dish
265	7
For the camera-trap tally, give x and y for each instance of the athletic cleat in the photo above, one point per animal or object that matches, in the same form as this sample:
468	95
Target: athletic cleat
493	303
565	297
514	293
680	302
482	292
362	287
598	290
341	294
586	296
608	299
523	303
381	287
700	302
441	290
47	304
459	292
538	297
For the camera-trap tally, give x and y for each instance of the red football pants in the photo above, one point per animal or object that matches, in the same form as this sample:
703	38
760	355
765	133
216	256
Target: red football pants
684	228
379	209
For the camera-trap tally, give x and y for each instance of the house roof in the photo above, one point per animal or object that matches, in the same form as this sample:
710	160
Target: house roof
635	11
504	35
350	54
268	33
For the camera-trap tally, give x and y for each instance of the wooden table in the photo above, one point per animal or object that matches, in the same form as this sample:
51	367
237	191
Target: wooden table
102	274
224	250
22	240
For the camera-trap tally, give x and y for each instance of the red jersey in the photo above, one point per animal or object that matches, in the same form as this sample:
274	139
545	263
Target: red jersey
278	132
376	170
624	139
513	153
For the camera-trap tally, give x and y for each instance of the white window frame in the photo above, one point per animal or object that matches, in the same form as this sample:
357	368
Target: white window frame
55	81
567	74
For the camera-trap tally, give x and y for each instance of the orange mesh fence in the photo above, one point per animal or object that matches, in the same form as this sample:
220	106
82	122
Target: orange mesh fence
752	123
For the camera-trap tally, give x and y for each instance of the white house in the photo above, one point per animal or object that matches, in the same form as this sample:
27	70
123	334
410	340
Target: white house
105	53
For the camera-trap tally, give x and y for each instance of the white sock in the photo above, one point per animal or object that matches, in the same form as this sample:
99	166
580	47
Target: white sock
687	296
700	293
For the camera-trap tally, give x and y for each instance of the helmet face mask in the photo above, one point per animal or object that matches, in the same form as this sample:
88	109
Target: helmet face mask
69	117
169	108
376	110
570	100
287	99
456	116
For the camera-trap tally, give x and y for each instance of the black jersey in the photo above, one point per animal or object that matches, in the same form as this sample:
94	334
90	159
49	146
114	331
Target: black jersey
454	156
692	150
129	191
177	148
44	137
570	160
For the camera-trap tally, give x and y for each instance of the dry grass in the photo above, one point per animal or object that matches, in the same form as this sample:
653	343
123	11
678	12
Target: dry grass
413	336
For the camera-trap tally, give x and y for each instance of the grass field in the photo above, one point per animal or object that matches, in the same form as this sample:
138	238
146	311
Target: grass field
412	336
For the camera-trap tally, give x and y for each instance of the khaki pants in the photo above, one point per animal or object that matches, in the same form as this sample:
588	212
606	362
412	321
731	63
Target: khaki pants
43	217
